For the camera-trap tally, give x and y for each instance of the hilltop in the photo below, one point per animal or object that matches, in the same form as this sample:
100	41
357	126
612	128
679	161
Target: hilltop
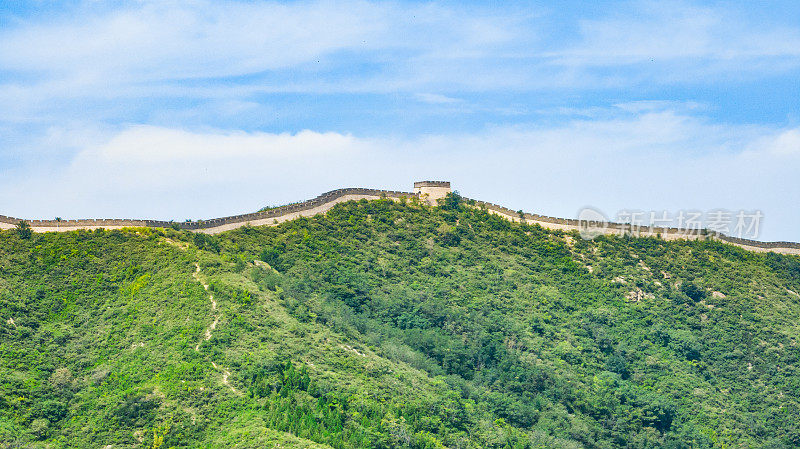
394	323
426	192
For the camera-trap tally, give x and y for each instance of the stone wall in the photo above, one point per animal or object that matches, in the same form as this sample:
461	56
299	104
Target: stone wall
290	211
431	191
326	201
567	224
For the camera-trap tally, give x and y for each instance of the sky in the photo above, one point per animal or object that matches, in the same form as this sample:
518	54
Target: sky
200	109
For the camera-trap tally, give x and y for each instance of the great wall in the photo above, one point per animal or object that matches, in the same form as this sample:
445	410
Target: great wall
426	191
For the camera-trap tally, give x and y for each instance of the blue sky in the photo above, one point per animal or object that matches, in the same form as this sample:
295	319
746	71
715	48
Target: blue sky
197	109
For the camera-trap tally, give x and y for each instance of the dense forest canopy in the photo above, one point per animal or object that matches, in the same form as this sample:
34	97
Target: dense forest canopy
389	324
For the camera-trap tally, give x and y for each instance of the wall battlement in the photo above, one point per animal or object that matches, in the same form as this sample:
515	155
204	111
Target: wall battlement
611	228
426	191
432	184
294	210
431	191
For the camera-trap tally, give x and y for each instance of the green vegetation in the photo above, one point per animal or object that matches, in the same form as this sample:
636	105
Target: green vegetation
24	230
390	324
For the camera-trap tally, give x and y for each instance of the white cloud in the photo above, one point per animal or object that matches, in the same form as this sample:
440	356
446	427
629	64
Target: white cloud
436	98
654	160
659	105
663	31
155	159
152	41
144	48
782	146
170	40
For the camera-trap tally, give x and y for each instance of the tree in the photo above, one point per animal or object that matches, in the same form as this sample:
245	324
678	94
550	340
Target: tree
205	241
452	201
24	230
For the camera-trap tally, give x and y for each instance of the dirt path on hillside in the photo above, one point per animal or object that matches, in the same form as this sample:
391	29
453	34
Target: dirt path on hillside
225	374
207	334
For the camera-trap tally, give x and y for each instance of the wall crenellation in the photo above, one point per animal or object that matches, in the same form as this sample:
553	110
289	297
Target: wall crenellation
202	224
427	191
568	224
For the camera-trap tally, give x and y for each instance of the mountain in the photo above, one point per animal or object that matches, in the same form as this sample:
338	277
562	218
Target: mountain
395	324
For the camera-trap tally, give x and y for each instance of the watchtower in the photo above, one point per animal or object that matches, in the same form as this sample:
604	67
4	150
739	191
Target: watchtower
430	191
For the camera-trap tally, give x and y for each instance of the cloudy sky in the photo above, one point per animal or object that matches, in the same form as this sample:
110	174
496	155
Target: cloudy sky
196	109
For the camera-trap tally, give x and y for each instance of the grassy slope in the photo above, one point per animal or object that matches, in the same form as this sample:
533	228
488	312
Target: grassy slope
403	325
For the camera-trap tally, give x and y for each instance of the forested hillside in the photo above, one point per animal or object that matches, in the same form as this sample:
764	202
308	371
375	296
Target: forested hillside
385	324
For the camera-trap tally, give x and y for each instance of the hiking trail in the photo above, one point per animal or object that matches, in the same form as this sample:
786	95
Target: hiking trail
207	334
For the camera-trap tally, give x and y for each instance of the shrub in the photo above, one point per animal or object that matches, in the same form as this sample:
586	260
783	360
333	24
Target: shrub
136	410
693	291
39	428
272	256
24	230
205	242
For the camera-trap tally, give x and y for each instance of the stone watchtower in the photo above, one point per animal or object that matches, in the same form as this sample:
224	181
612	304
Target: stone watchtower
430	191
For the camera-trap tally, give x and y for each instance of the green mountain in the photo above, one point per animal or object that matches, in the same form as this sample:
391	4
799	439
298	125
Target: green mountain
390	324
